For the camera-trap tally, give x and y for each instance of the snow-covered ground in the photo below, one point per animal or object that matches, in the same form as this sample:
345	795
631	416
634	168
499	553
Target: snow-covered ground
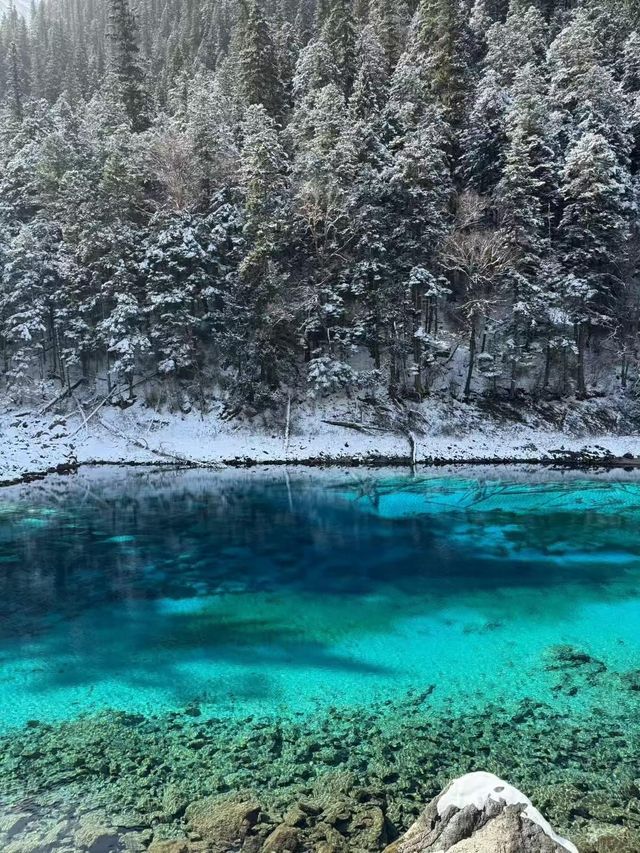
33	443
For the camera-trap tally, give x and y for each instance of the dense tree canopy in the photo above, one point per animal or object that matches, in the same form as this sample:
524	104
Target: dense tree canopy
261	197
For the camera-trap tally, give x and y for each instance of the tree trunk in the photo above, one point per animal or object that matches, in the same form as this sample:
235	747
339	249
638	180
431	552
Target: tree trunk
547	366
581	335
417	342
472	358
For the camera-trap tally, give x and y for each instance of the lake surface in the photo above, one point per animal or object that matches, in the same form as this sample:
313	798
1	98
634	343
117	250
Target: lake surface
239	596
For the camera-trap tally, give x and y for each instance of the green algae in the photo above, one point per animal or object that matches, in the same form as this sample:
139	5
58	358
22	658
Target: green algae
581	770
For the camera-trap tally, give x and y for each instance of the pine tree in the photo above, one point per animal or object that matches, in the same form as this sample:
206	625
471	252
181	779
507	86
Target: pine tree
339	34
370	88
16	95
527	200
484	137
259	67
125	64
631	64
480	22
389	20
314	69
438	41
262	173
262	343
584	92
418	205
521	40
594	228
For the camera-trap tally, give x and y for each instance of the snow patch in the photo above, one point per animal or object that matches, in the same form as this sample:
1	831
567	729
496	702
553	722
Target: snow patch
337	432
480	787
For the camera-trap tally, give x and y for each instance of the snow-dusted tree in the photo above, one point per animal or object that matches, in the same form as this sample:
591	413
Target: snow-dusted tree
418	198
259	319
125	63
389	20
527	201
259	66
15	84
211	122
476	255
370	88
595	191
520	40
438	41
315	69
584	92
480	22
121	333
631	63
484	137
324	169
26	276
339	34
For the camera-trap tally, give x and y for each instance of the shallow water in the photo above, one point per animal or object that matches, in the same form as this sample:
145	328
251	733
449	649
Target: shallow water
272	594
346	639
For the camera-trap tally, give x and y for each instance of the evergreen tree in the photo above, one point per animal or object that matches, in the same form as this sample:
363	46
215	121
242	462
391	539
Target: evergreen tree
259	68
584	92
125	64
339	34
262	343
527	200
15	83
438	41
522	39
594	228
484	137
389	20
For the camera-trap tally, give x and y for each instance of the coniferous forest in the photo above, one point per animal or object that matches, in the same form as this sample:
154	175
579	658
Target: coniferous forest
265	195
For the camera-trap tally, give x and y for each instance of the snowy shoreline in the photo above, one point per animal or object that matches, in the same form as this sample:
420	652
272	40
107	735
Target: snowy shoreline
32	445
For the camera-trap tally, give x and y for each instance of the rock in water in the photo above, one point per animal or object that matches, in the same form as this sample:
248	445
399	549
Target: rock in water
222	822
479	813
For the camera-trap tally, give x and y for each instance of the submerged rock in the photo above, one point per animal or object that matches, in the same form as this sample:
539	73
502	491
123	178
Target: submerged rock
96	838
479	813
168	847
283	839
222	821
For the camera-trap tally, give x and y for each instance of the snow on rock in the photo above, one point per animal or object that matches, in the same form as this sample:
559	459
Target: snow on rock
479	813
478	788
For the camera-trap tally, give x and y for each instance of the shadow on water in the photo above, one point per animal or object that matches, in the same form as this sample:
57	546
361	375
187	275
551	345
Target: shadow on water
148	647
147	587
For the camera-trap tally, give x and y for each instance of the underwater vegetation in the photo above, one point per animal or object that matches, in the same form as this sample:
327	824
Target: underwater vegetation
314	656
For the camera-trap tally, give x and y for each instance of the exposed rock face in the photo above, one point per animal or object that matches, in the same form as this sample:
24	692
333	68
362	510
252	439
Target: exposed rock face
480	813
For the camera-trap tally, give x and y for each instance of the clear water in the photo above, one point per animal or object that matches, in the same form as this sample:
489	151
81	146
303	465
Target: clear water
273	593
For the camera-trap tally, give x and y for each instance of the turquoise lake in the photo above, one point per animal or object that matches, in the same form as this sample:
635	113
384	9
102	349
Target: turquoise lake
348	640
271	593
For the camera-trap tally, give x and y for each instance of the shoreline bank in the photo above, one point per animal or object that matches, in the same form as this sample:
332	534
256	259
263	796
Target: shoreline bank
33	445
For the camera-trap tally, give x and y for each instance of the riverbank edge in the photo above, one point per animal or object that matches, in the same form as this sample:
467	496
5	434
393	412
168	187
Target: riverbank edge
571	460
36	444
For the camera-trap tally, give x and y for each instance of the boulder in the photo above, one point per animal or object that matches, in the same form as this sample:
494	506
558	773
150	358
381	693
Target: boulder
222	821
479	813
97	838
283	839
168	846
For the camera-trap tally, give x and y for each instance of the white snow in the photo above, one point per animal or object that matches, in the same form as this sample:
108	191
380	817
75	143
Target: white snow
32	443
480	787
